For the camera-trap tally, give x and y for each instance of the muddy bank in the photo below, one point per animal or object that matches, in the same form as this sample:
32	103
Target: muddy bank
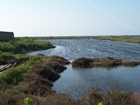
103	62
39	80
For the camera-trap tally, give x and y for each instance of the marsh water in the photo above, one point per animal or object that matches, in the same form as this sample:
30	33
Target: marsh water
77	81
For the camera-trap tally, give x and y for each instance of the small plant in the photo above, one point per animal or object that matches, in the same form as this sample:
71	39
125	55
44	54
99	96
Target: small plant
28	101
101	103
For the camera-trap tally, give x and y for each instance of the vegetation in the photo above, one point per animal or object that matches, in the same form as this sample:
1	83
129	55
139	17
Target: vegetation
103	62
30	79
28	101
125	38
129	39
23	45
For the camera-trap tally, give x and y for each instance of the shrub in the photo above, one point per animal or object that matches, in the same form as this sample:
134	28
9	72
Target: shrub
28	101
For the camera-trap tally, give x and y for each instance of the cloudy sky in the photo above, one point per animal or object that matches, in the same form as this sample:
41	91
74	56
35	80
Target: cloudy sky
70	17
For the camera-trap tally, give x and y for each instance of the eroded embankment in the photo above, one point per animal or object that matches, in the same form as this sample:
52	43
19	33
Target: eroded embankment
36	79
39	80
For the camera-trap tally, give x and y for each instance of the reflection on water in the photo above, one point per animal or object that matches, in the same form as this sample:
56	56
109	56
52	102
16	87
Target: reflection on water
76	81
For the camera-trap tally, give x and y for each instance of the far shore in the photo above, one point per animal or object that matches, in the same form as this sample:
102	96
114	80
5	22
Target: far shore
123	38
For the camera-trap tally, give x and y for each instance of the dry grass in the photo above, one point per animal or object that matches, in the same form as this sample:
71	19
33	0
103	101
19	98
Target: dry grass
13	97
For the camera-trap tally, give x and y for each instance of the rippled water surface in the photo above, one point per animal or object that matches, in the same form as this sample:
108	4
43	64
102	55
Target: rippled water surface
76	81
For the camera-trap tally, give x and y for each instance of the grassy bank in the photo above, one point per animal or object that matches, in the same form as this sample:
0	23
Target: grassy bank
129	39
24	45
13	52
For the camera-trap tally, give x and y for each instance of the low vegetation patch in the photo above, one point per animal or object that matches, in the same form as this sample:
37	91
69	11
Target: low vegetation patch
129	39
24	45
103	62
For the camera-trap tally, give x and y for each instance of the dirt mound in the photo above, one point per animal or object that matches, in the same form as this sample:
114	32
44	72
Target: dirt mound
57	67
60	60
82	62
127	62
45	72
103	62
106	62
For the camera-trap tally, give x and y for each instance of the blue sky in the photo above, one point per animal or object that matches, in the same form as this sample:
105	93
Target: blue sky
70	17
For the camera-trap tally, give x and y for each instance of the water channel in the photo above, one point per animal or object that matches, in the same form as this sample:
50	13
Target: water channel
77	81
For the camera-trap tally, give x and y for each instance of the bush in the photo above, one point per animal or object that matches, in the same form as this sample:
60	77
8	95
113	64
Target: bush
28	101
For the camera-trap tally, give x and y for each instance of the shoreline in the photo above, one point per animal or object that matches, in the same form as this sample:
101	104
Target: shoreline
124	38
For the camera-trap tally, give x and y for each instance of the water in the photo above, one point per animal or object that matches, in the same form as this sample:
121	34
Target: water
76	81
72	49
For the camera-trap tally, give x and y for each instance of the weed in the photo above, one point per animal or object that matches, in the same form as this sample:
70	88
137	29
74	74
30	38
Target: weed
28	101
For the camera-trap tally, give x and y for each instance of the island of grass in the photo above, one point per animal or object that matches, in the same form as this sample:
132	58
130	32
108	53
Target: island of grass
32	77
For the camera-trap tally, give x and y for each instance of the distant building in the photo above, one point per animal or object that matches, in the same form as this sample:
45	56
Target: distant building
6	36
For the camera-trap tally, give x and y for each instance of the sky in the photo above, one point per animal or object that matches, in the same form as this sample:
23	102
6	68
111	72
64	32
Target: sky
70	17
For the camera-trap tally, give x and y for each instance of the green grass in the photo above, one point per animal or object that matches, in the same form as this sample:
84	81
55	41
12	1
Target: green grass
129	39
14	74
23	45
13	51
